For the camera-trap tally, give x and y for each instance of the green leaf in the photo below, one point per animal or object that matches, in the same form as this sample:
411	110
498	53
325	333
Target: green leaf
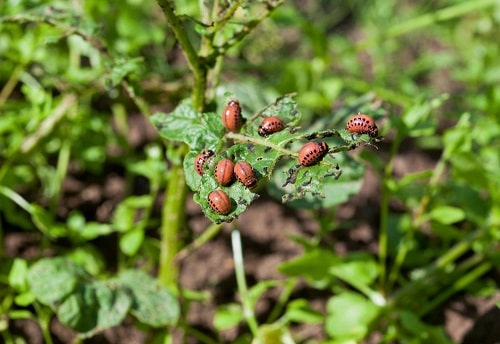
89	257
239	195
93	305
24	299
256	291
458	139
193	179
275	333
53	279
79	229
152	303
93	230
20	314
184	124
263	158
113	304
418	329
17	274
154	170
470	168
300	311
123	67
350	316
358	269
131	241
79	310
447	215
314	266
45	223
416	118
250	95
125	214
326	184
285	108
228	316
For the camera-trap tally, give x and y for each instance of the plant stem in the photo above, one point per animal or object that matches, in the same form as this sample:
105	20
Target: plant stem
437	16
139	102
201	336
261	142
384	216
206	236
61	170
197	68
45	128
246	29
282	301
458	285
16	198
44	321
173	217
422	21
417	219
425	287
172	222
242	284
10	84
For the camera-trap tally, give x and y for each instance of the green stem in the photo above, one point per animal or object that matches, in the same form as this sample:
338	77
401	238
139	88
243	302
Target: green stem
364	86
61	170
139	102
246	29
197	68
456	252
417	219
282	301
16	198
44	321
260	142
201	336
10	84
458	285
435	273
384	216
242	284
173	219
46	127
422	21
437	16
205	237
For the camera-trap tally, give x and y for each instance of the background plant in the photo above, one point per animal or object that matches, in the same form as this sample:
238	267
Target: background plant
68	71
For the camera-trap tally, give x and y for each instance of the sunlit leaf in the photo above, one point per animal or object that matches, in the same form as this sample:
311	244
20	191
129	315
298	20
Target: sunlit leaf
350	316
152	303
184	124
228	316
52	279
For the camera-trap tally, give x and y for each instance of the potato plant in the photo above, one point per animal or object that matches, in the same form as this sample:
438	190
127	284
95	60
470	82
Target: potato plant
77	78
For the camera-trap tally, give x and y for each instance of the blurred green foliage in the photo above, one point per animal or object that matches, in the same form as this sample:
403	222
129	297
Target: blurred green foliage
73	74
